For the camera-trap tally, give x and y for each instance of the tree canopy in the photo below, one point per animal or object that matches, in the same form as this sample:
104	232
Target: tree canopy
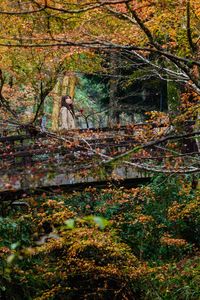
168	31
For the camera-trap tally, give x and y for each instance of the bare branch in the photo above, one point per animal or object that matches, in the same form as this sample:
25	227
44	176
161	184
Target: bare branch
63	10
189	33
153	143
88	7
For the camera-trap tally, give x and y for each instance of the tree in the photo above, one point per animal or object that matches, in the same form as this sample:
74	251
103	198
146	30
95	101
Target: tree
127	26
143	31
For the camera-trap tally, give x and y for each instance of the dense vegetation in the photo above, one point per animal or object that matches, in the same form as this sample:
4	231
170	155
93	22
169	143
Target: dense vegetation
124	62
113	243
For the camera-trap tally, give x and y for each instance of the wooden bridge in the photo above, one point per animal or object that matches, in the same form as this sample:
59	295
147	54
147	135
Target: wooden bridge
33	159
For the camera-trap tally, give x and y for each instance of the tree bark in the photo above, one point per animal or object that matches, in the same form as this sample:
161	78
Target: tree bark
72	85
113	103
56	105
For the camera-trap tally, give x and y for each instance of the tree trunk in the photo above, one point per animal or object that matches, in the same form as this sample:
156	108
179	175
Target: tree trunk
65	85
56	104
197	127
72	85
113	103
163	96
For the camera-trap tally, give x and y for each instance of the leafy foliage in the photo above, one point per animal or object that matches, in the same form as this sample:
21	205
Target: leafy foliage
116	243
98	244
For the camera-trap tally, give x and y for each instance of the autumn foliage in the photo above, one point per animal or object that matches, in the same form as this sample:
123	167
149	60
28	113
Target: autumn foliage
116	242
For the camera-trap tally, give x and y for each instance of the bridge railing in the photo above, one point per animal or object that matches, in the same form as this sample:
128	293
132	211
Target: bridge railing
28	161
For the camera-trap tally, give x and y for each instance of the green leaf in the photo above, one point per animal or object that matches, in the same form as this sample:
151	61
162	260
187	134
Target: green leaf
11	258
70	223
14	245
101	222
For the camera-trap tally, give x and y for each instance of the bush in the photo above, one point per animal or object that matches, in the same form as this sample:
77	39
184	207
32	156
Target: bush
139	243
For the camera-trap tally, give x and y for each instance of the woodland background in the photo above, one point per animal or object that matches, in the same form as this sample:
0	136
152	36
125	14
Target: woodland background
124	62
